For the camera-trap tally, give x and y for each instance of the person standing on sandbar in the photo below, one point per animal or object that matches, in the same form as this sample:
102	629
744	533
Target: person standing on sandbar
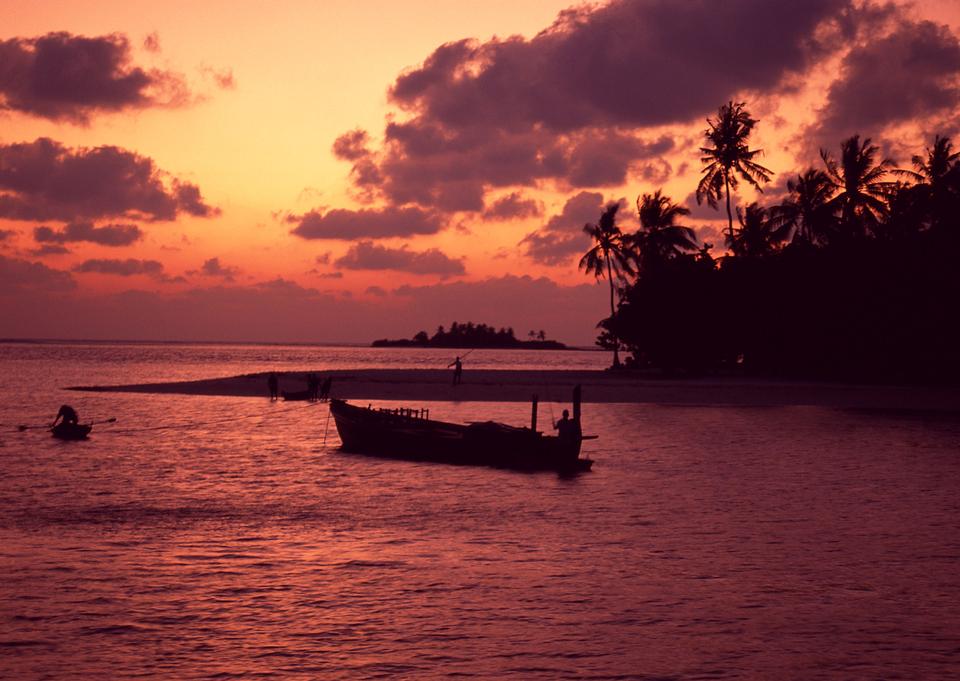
457	370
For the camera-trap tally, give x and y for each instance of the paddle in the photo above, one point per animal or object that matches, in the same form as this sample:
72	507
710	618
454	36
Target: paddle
47	426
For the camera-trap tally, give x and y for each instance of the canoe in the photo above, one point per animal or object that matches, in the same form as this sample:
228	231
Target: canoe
407	434
71	431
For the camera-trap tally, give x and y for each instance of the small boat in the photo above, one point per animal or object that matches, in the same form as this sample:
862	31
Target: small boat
71	431
410	434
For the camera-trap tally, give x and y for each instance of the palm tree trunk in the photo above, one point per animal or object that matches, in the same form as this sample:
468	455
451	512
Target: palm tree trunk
616	341
726	182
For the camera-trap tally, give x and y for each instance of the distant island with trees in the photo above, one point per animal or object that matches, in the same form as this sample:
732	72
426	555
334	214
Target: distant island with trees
470	335
850	274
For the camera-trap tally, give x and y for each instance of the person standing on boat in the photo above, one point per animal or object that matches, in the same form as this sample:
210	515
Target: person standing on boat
457	370
567	428
68	414
274	386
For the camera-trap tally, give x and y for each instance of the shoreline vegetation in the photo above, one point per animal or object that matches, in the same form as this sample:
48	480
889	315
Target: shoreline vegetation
473	336
482	385
849	272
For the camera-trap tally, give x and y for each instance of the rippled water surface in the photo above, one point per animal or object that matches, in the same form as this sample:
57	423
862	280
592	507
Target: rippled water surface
233	540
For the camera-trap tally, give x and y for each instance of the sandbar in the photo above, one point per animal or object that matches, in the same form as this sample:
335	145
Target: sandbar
424	385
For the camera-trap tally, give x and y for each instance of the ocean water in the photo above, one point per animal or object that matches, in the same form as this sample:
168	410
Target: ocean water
220	538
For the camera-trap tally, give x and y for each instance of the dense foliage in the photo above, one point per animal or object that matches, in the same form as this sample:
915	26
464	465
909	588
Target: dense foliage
852	275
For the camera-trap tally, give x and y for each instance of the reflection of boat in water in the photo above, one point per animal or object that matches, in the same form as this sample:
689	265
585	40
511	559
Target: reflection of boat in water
71	431
410	434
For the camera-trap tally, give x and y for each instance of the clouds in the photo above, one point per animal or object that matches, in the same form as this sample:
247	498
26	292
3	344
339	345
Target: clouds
44	180
122	268
617	65
367	255
212	267
562	237
513	207
67	77
341	223
569	106
108	235
18	276
907	74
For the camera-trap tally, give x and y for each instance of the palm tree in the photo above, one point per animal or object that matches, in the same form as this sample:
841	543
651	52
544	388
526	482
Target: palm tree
728	157
937	178
806	214
659	237
862	195
608	255
759	235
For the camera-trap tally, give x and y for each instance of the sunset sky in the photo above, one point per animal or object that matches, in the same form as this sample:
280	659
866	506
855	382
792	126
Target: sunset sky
348	170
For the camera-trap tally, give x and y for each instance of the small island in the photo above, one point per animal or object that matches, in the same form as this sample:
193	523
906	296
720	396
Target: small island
470	335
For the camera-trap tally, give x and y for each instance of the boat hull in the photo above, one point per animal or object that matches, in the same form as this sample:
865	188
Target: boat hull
369	431
71	431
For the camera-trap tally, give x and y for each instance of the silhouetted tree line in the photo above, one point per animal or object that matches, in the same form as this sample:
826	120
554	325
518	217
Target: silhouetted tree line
470	335
852	276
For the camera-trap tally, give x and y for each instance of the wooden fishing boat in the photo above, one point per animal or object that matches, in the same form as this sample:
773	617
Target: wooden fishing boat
411	434
71	431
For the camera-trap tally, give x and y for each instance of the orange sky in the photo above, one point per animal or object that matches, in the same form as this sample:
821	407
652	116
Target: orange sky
304	73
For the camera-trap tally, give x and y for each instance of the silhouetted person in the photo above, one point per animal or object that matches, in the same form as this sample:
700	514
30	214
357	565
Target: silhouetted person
457	370
567	428
274	385
313	386
325	390
68	414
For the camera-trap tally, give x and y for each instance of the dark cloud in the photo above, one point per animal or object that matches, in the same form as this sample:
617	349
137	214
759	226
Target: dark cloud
376	291
562	237
18	275
908	74
6	234
122	268
617	65
567	104
212	267
367	255
513	207
108	235
352	145
44	180
425	164
50	249
69	77
376	223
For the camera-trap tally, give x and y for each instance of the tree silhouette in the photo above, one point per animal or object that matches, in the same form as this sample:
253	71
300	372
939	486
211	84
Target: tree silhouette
728	157
937	176
862	193
759	235
659	237
806	213
608	256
